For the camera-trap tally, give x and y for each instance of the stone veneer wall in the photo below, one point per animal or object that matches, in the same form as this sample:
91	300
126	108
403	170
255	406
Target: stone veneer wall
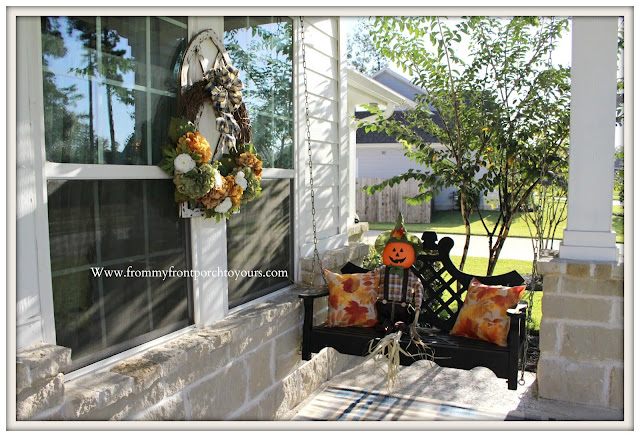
246	367
581	333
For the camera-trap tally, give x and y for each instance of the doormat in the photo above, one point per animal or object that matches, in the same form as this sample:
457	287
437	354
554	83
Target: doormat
352	404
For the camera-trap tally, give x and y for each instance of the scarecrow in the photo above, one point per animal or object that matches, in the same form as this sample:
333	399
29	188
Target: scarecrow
400	293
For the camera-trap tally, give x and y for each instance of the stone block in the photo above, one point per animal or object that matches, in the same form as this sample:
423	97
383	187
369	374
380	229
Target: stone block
551	284
581	383
552	266
94	391
592	343
260	367
128	406
617	271
549	332
256	339
39	363
579	269
617	314
219	396
287	352
289	394
616	388
313	373
168	409
166	357
602	270
35	400
336	362
593	287
192	371
194	345
578	307
144	372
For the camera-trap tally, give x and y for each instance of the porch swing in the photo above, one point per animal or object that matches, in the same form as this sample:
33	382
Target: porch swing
442	301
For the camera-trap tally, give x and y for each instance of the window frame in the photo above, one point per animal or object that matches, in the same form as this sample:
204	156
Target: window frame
95	172
39	325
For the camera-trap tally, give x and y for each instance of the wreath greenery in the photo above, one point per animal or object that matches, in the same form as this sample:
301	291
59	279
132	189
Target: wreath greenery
222	186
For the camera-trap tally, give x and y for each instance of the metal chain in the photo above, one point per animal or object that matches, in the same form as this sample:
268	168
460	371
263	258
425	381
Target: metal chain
316	253
536	254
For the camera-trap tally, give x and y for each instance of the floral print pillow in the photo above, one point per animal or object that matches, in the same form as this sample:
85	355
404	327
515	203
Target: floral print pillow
352	299
484	312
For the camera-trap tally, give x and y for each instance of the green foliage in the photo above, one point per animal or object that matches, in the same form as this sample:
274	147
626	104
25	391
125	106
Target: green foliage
178	127
618	181
373	259
362	55
498	115
197	182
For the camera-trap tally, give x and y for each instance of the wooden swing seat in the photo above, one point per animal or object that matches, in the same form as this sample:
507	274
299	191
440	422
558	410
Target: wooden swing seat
444	290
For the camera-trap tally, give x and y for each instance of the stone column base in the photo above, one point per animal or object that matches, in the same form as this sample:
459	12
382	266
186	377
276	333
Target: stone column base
581	333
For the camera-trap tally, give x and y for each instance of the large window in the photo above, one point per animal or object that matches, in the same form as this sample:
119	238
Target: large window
259	239
109	86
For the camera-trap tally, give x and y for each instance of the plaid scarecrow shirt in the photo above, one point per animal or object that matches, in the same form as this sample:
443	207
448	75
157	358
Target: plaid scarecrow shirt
415	290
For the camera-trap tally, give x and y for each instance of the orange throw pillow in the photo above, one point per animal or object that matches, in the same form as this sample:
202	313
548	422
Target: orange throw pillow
484	312
352	299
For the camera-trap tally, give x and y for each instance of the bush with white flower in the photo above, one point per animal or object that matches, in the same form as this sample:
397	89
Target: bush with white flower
218	187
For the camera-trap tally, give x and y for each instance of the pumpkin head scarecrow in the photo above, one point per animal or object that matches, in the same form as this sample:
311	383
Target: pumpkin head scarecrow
401	290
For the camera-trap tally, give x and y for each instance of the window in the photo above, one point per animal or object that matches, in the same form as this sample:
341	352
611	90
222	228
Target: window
109	86
259	239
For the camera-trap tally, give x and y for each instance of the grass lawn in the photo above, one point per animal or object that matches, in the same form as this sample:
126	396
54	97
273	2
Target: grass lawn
450	222
478	266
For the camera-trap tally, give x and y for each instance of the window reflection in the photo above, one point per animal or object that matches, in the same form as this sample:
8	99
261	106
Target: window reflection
104	79
261	47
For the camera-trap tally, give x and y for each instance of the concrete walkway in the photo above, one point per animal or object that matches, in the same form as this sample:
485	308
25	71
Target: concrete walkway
478	388
514	248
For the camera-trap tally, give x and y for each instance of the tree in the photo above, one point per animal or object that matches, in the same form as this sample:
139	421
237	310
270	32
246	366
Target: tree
497	115
362	55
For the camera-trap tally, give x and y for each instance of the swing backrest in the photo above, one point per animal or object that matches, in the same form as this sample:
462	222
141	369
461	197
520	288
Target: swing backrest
445	286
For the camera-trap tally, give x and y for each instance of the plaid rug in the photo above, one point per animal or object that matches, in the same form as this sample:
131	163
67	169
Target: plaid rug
351	404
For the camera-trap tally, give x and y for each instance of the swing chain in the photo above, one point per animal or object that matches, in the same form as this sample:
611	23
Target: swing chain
316	253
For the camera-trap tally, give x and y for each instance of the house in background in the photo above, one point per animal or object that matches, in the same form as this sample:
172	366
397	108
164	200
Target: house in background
93	98
380	156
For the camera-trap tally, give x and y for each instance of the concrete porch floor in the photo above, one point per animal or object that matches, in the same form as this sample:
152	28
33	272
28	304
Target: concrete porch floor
478	388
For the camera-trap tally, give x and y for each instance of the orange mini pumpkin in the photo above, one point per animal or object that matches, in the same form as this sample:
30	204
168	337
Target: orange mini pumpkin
398	254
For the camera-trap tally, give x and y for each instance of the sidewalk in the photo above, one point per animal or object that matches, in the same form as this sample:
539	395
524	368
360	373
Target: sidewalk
514	248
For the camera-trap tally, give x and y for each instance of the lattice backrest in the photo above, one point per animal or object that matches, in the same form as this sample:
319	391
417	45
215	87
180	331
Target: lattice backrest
445	286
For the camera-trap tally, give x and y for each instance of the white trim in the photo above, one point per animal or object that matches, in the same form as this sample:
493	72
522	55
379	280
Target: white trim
278	173
29	70
113	359
56	170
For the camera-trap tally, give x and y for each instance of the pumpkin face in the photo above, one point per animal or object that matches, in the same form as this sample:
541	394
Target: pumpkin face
398	254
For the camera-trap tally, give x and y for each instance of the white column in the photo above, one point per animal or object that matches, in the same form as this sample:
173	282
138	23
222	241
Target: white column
588	235
208	237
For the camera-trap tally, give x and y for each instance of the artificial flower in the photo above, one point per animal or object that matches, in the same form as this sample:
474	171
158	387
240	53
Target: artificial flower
240	180
247	159
195	183
235	191
224	206
214	197
197	144
184	163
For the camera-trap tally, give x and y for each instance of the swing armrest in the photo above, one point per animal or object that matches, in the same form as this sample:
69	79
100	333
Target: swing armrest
313	294
519	310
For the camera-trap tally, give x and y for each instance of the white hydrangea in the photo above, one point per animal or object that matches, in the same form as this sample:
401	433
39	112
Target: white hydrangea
217	177
240	180
224	206
184	163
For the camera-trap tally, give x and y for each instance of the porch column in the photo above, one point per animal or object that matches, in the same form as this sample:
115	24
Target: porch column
588	235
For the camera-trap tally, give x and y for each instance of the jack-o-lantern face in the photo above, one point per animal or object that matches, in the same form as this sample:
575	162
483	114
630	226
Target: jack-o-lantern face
398	254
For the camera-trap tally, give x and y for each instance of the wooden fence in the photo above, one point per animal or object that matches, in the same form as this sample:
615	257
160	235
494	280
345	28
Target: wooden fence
384	205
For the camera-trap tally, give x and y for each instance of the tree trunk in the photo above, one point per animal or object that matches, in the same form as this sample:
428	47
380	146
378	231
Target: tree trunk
467	228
